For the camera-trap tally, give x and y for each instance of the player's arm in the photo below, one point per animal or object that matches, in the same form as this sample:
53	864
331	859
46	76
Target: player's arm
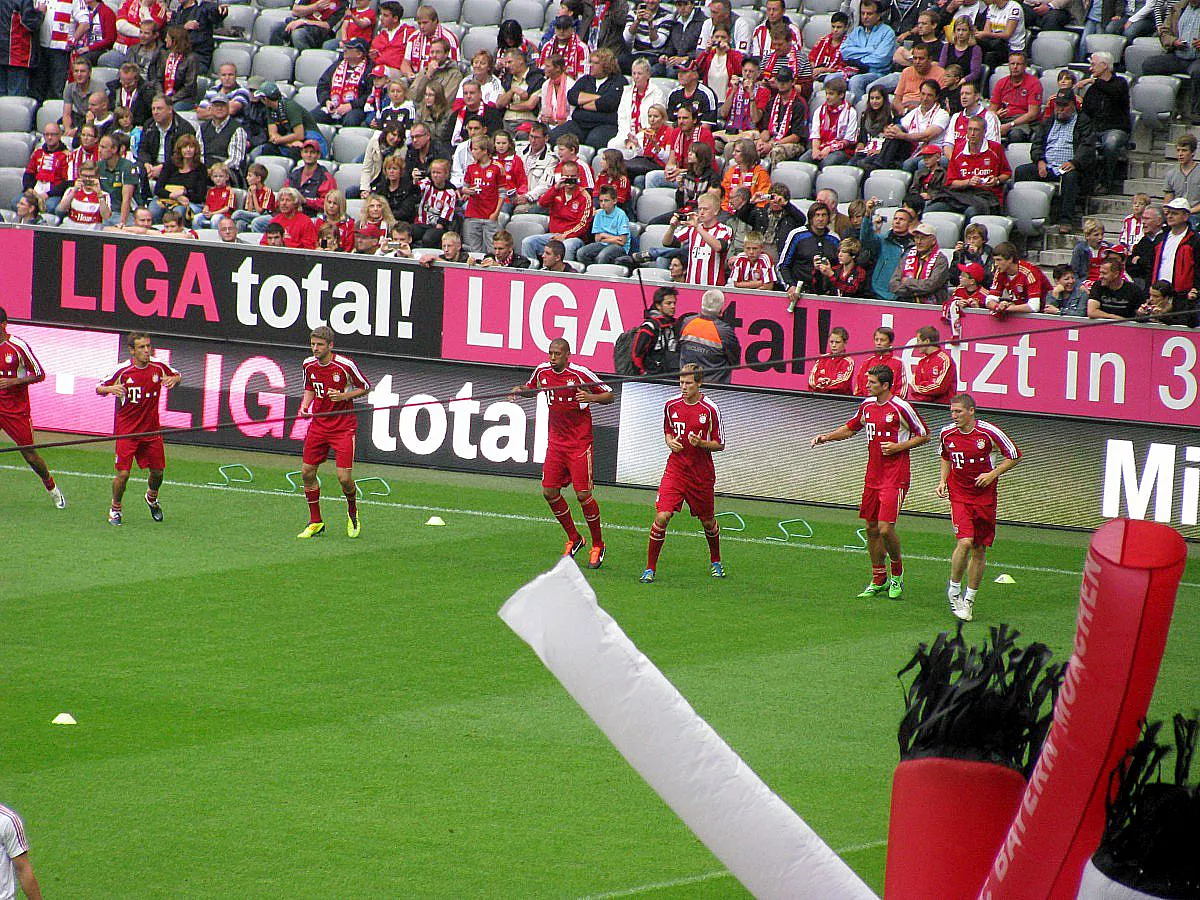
943	488
673	443
353	394
704	443
115	388
25	877
306	402
602	395
1004	465
838	434
521	390
915	441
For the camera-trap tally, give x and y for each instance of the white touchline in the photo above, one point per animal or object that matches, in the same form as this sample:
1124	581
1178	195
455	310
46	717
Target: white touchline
515	517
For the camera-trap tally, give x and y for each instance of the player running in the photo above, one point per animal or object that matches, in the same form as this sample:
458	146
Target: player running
137	385
893	429
969	480
692	427
332	383
19	369
570	390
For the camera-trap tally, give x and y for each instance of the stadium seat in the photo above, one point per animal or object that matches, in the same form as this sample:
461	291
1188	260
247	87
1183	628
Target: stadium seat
1139	51
243	16
796	176
651	273
1049	82
523	226
349	144
482	12
311	65
448	11
844	180
1001	72
651	237
1106	43
102	75
889	189
998	227
1052	48
250	237
327	131
208	235
948	225
278	168
1153	97
607	270
480	37
820	7
409	7
275	4
287	89
50	111
1019	154
10	184
533	35
529	13
454	28
274	63
266	22
13	153
655	202
815	29
17	113
307	97
348	176
354	208
239	56
904	176
1029	206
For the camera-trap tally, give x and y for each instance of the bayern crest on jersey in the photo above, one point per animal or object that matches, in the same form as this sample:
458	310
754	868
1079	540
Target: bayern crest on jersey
336	377
981	444
154	378
703	418
889	418
8	358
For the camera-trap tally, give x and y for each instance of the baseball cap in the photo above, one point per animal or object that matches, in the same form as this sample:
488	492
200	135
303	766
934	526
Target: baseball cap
975	270
1179	203
356	44
368	230
269	90
1119	249
219	98
379	70
564	22
924	229
930	150
311	143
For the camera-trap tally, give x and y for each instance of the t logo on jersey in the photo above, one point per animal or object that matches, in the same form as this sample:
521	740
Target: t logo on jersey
957	459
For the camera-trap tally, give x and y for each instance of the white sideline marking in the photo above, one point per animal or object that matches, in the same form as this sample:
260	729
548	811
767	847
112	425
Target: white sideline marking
706	876
516	517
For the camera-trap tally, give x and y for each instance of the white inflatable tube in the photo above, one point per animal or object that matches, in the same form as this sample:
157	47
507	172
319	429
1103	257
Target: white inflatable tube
762	842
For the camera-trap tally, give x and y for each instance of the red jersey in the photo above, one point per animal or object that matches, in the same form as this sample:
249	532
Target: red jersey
218	198
935	378
339	374
705	265
438	205
17	361
416	50
890	422
970	455
489	181
885	359
570	420
1012	99
573	51
299	232
515	179
762	269
137	411
988	162
702	419
1131	231
825	54
48	168
619	183
354	30
832	375
345	232
569	216
85	208
1024	286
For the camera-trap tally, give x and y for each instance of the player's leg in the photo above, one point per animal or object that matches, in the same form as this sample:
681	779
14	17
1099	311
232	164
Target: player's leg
345	478
556	474
35	461
868	511
125	452
153	482
891	544
581	478
20	429
712	534
312	496
152	455
658	535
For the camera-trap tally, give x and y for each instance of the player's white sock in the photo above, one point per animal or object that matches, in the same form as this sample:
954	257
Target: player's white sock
955	589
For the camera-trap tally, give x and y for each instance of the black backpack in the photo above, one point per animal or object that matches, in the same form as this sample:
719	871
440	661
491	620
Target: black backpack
623	352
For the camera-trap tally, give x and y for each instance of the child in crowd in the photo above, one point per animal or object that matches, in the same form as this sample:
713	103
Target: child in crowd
503	253
566	148
396	107
437	209
1161	302
1132	229
327	238
752	268
950	97
124	127
174	226
847	278
612	172
968	295
220	199
516	182
1089	254
272	237
334	215
259	199
482	191
399	244
1066	88
929	179
610	230
826	54
1066	296
973	248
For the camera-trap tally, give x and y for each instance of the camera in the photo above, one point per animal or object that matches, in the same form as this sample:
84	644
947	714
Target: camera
570	180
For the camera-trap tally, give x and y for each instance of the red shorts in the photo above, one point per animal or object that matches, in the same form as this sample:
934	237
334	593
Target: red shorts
975	522
149	453
318	445
19	428
563	467
673	491
882	504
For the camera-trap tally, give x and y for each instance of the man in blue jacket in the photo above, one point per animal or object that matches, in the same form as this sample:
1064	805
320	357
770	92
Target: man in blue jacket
888	249
869	48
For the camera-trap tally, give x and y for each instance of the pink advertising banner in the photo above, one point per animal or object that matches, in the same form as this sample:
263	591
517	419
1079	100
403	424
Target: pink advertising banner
1029	364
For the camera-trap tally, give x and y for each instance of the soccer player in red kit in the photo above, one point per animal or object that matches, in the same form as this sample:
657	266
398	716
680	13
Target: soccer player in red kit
969	480
332	383
570	390
833	373
935	377
138	385
19	369
692	427
893	429
884	338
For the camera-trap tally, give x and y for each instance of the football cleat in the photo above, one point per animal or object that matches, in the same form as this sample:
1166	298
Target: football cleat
895	587
647	577
60	501
573	547
716	570
312	530
596	557
963	609
156	512
353	527
114	517
873	590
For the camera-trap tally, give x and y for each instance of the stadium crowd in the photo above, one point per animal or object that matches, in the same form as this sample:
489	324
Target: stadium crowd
898	150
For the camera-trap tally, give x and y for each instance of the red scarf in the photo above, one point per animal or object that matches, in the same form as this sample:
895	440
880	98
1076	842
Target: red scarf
915	267
828	124
635	118
173	61
780	119
682	143
346	81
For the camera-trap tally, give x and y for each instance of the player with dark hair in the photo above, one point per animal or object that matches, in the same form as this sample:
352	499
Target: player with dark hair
692	428
833	373
19	368
137	385
332	383
570	390
883	338
969	480
893	429
935	377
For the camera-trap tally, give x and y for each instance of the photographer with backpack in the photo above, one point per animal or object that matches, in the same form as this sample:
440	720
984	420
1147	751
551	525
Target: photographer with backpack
653	347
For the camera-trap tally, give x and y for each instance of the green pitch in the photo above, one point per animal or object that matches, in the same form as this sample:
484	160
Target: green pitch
266	717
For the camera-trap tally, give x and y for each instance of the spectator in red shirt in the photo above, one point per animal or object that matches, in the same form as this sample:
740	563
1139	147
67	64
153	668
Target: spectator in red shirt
483	189
299	232
833	373
95	30
358	23
387	47
1017	100
46	171
975	177
883	338
570	209
935	377
1018	286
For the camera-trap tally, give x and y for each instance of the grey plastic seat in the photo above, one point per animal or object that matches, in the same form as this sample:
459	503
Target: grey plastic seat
607	270
482	12
998	227
480	37
348	176
449	11
843	180
278	168
307	97
820	7
1154	98
17	113
948	225
796	177
523	226
1019	154
13	153
655	202
241	58
1106	43
997	74
1052	48
1139	51
267	20
349	144
529	13
274	63
1029	207
10	184
242	15
904	176
49	111
652	237
354	208
815	29
651	273
311	65
889	189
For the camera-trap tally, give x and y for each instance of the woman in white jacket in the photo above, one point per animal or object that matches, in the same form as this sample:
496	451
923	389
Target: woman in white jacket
383	143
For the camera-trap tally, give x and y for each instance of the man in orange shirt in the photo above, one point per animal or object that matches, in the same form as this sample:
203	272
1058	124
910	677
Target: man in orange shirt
908	89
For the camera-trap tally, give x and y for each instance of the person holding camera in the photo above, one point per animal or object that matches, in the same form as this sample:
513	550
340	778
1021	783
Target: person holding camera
705	239
570	209
85	202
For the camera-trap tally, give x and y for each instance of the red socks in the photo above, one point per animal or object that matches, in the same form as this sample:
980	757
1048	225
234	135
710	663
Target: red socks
714	543
48	481
313	496
657	536
352	504
897	567
562	512
878	574
591	515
